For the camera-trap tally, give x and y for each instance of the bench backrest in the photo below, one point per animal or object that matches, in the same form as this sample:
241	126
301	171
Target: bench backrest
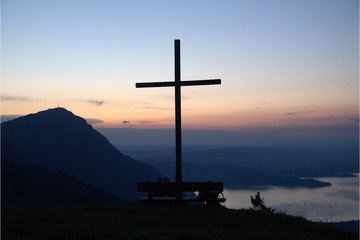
185	186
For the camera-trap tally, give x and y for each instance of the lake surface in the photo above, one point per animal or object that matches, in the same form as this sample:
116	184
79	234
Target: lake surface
339	202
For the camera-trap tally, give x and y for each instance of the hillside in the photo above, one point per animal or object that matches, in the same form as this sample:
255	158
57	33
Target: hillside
58	140
145	222
34	186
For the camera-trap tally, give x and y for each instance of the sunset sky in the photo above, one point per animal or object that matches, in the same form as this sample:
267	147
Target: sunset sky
283	63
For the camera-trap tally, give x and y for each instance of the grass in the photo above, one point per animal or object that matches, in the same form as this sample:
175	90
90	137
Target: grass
146	222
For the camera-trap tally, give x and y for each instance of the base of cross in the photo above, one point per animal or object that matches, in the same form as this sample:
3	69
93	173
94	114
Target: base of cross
164	193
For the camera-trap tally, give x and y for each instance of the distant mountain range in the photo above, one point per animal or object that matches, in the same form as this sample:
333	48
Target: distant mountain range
56	140
252	166
54	158
302	162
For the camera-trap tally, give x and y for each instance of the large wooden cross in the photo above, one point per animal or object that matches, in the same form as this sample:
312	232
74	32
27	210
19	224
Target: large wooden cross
177	84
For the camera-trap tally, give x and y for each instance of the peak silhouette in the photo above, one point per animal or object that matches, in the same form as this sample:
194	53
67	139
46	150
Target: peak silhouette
58	140
58	116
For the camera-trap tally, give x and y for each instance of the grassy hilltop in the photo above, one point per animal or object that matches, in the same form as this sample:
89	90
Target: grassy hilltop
145	222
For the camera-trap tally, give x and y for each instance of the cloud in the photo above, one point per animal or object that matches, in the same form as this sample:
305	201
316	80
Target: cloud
157	108
93	120
354	119
5	118
145	122
261	102
14	99
136	123
95	102
294	113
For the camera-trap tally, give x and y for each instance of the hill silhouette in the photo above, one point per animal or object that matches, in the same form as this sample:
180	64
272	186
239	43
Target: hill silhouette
35	186
58	140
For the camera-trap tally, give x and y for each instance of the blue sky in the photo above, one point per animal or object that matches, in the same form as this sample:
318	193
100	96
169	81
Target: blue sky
290	63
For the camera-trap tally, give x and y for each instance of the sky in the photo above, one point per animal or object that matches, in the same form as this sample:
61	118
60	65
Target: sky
284	64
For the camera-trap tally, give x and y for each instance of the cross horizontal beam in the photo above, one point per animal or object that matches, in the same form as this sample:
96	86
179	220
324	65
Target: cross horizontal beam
182	83
177	84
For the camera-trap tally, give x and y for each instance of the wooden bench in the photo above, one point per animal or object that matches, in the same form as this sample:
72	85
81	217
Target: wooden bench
165	192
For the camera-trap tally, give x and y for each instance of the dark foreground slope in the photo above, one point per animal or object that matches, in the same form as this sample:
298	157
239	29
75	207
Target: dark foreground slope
56	139
34	186
139	222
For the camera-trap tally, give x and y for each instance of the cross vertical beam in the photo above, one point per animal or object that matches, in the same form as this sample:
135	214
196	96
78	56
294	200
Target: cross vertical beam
178	120
177	84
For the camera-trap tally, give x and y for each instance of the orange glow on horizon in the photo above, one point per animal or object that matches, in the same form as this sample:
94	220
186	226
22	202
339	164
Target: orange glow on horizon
196	114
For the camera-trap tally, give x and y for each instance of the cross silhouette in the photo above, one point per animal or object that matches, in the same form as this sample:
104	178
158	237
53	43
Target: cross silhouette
178	84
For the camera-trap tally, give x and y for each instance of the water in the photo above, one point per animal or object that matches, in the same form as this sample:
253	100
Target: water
339	202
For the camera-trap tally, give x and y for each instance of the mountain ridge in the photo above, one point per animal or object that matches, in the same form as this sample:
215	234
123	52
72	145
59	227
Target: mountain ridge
57	139
250	166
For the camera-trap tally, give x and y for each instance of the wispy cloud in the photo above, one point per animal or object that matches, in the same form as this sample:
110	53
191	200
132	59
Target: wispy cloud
95	102
157	108
14	99
301	112
135	123
93	120
354	119
5	118
261	102
145	122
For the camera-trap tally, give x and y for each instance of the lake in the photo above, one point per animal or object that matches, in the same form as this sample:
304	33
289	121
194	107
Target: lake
339	202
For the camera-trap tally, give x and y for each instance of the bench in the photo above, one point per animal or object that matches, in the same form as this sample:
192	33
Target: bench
165	192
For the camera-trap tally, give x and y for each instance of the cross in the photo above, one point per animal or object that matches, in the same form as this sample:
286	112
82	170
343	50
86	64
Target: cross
178	84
